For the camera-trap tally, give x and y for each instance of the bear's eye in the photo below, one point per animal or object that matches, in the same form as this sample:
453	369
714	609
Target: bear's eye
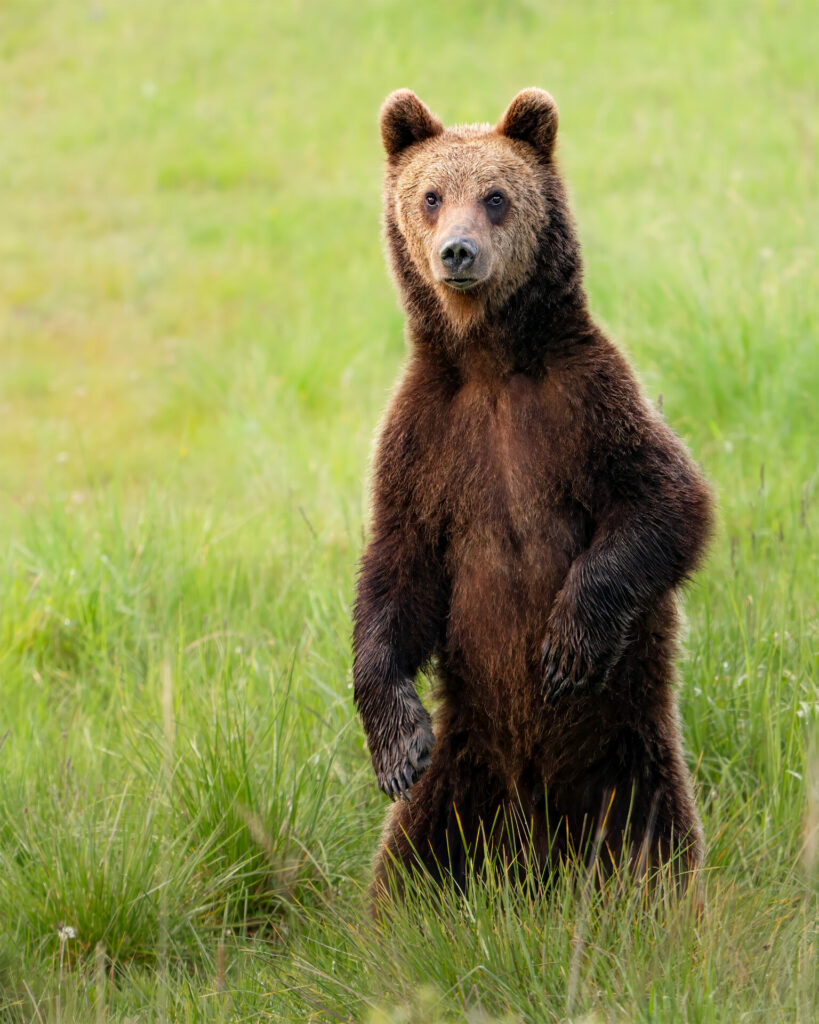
495	200
432	199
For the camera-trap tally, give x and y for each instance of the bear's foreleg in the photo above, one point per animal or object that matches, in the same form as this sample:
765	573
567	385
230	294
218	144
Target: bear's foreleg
643	547
399	610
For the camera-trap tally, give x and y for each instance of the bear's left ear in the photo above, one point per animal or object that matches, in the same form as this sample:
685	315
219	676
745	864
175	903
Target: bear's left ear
531	117
405	120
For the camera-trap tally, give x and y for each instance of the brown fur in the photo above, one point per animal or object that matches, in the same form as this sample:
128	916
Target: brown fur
532	517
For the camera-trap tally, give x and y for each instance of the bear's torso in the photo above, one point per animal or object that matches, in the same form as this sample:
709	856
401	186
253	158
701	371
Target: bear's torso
512	525
499	468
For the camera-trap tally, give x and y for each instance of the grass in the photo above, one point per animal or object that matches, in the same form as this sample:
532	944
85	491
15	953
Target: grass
198	336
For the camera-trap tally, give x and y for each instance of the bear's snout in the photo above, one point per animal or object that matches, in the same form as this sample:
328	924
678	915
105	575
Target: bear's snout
458	254
461	255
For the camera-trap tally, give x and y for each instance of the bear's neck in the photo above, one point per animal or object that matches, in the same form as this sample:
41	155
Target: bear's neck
546	316
522	338
541	321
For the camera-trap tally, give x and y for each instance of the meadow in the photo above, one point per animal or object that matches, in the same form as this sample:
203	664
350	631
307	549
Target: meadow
197	337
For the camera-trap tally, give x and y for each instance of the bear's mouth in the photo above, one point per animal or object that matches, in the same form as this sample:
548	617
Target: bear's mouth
461	284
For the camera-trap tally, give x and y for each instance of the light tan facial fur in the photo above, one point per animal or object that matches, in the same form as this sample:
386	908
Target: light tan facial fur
464	167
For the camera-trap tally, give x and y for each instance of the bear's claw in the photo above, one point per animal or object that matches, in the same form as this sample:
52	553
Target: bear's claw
398	784
403	761
575	673
565	672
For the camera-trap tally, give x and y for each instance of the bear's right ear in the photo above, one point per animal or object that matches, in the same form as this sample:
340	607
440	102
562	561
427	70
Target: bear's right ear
531	117
406	120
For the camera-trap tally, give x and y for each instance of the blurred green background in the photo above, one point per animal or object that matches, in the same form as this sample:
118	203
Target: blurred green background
197	337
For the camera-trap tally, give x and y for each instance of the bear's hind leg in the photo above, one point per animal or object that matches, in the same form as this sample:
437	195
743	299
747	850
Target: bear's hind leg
441	831
650	822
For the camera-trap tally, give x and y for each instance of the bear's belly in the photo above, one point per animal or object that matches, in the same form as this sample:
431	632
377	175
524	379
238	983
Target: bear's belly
503	584
513	532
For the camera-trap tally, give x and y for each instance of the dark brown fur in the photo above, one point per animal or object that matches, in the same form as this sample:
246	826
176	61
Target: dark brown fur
532	518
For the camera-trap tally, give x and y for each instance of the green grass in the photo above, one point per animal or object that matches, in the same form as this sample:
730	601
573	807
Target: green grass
198	336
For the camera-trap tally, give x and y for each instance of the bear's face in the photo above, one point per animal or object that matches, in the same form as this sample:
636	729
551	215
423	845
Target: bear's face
469	202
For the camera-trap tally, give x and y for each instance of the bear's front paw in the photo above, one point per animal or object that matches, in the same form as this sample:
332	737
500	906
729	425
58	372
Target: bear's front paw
568	670
400	762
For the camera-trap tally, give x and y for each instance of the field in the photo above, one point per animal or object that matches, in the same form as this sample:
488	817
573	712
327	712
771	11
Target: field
197	336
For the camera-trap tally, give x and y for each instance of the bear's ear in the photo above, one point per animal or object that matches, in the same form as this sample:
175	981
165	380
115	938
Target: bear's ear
405	120
531	117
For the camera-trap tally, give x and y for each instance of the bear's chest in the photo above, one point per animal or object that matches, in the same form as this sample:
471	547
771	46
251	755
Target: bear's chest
509	456
513	524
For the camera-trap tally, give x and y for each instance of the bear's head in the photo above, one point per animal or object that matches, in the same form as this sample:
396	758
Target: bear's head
474	214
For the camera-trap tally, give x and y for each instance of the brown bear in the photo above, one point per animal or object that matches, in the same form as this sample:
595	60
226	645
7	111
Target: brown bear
532	518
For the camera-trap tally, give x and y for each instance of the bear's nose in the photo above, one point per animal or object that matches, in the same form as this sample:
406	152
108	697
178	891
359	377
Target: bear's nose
458	254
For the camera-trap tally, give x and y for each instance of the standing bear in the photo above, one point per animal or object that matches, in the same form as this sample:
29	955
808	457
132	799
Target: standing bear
532	518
